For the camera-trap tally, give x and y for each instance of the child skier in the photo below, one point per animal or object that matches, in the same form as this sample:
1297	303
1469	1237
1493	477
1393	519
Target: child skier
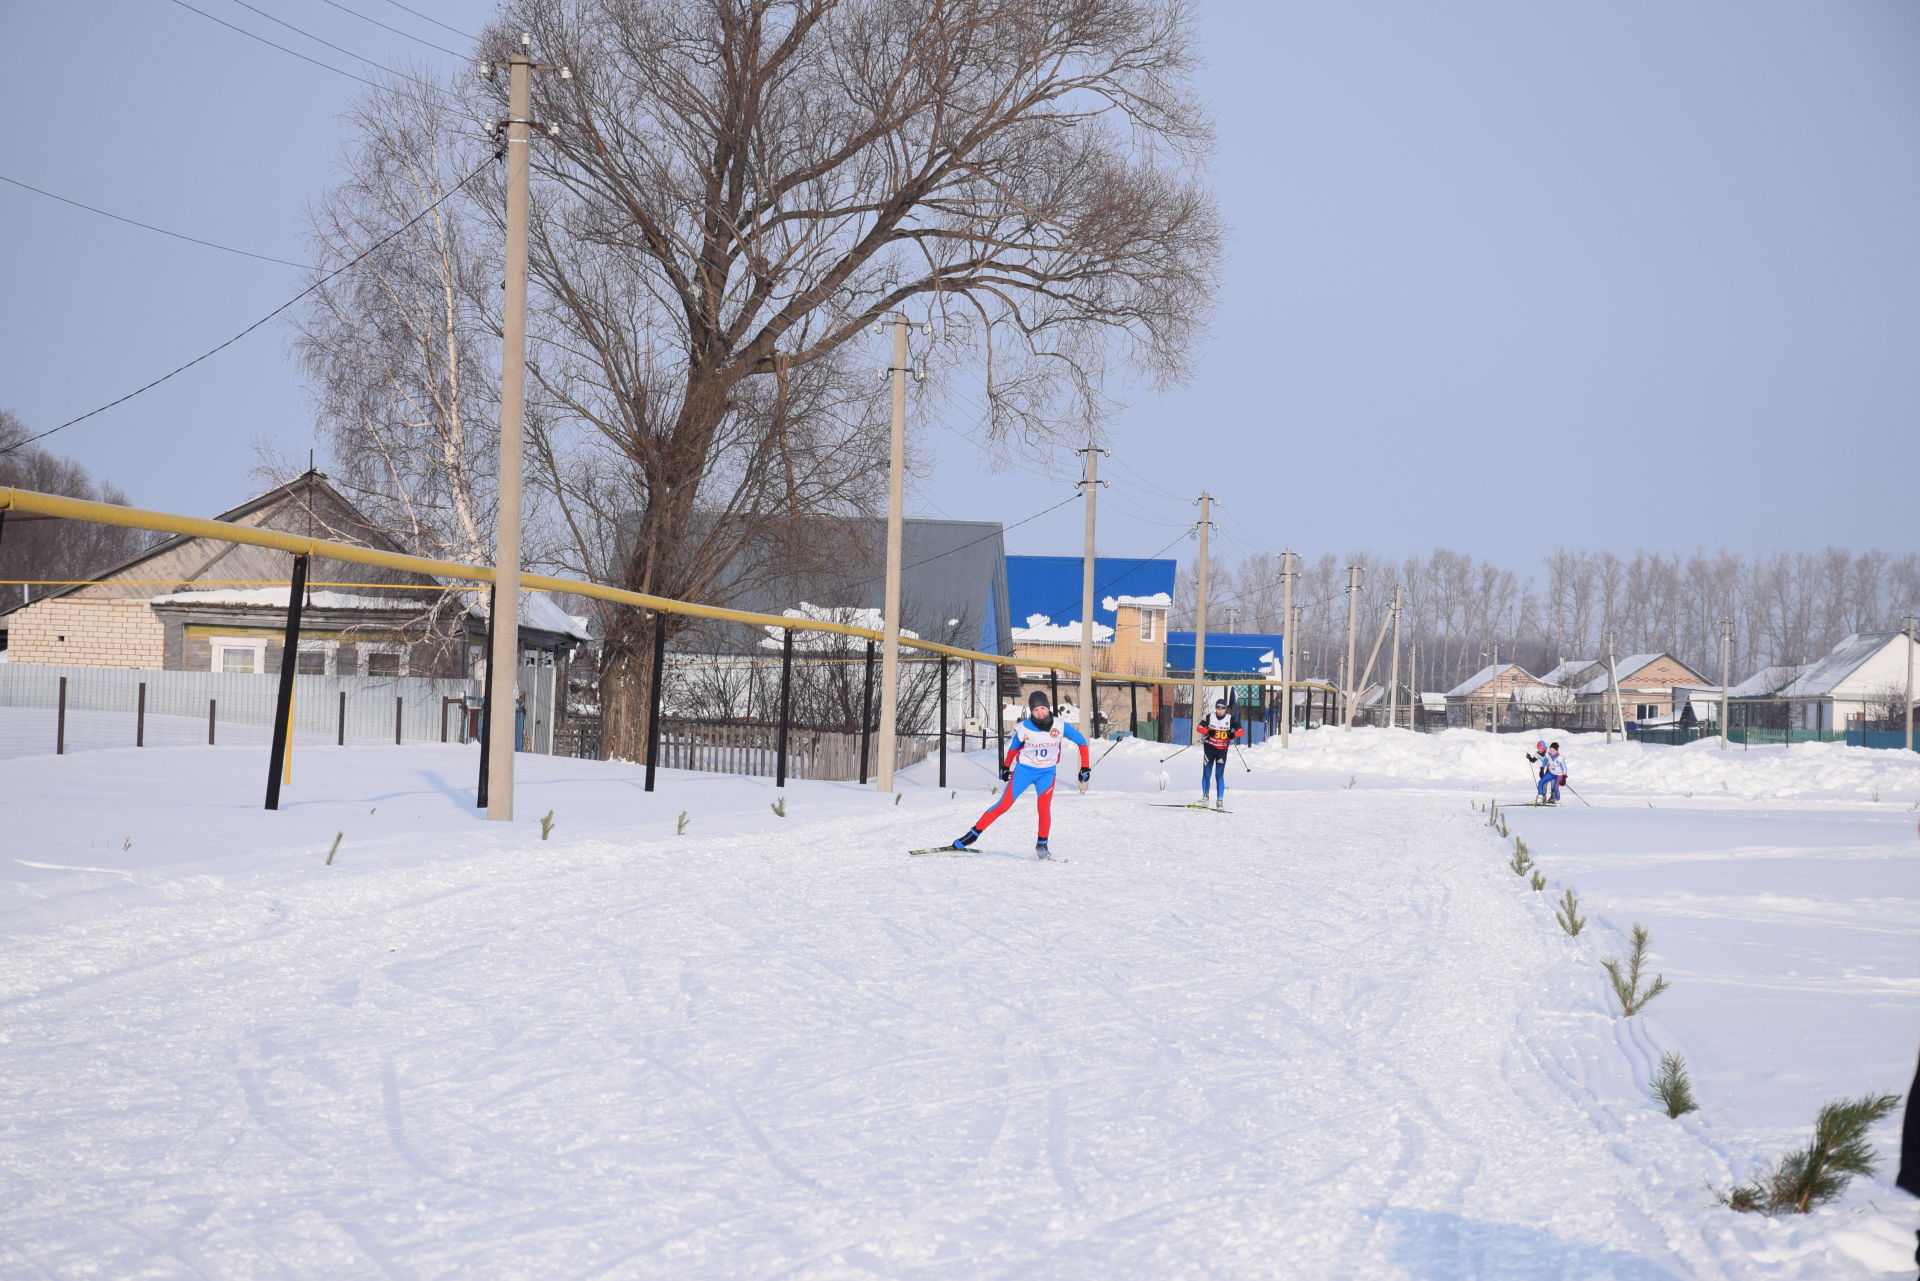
1553	772
1033	757
1217	733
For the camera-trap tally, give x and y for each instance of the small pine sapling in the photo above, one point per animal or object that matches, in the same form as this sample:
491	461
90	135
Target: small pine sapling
546	825
1671	1087
680	827
1521	862
897	796
1626	982
1538	881
1568	913
335	848
1819	1172
780	806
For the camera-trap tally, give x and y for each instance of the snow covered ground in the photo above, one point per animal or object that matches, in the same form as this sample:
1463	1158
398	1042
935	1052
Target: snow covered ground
1326	1035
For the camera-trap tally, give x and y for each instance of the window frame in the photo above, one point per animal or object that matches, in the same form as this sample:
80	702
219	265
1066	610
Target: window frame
218	646
329	652
366	650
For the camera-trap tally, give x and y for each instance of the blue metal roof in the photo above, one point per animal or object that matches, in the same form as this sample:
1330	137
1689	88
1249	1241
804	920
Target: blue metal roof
1051	585
1226	651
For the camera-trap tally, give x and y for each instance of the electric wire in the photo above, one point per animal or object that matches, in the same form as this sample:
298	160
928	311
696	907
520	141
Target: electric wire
357	57
1100	591
325	66
435	21
396	31
135	222
351	263
975	543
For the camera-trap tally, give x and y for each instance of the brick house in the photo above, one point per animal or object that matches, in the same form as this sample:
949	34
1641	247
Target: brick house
1646	681
1130	628
200	604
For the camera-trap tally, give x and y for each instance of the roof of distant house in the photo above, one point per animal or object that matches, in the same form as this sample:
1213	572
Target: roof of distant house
1051	586
1824	675
1483	676
1247	653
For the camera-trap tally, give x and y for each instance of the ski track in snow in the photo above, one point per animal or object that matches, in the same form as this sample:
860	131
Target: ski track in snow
1326	1036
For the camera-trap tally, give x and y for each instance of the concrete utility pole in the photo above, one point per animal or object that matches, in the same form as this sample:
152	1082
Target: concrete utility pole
1393	673
1494	725
1089	487
1287	646
1613	687
503	649
1912	636
1353	621
896	499
1726	676
1200	615
1413	685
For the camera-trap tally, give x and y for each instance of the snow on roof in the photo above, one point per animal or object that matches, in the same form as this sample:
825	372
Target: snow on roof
1159	600
1567	670
1824	676
1766	681
276	597
1626	667
537	611
1042	630
1433	702
806	612
1484	675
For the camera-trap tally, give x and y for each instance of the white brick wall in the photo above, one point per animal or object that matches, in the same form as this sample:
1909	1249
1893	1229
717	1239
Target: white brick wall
87	633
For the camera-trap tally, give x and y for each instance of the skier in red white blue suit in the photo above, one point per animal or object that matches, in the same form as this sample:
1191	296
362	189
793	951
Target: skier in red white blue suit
1033	757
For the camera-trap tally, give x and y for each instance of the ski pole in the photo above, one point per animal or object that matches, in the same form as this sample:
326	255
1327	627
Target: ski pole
1243	758
1583	800
1170	755
1103	755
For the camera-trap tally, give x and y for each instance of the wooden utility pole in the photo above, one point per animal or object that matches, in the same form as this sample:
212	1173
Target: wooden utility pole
1726	676
1393	672
896	497
1287	646
1089	715
503	629
1353	622
1200	616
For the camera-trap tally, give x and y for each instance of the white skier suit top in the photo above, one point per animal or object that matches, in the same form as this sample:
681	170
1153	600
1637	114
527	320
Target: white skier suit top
1556	764
1043	748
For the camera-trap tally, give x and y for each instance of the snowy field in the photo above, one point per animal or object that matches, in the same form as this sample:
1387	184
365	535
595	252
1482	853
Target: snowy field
1326	1035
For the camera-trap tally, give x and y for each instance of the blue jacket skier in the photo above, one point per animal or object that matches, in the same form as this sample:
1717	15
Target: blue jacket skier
1033	757
1553	772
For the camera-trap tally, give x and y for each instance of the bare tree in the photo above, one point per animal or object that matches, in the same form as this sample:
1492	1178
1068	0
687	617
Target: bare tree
48	549
738	189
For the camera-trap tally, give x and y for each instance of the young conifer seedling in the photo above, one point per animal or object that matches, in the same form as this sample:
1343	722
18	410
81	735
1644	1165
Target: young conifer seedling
1626	982
1539	882
1671	1087
1818	1173
780	806
335	849
1568	913
680	828
546	825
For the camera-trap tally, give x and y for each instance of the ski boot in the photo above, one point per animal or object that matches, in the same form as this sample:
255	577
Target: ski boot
1040	848
961	843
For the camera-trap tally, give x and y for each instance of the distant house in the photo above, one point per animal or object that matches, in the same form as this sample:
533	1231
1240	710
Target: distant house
1756	700
196	604
1471	703
1862	680
1646	684
1133	598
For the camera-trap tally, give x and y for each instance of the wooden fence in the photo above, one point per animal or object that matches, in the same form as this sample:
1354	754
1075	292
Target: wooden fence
751	749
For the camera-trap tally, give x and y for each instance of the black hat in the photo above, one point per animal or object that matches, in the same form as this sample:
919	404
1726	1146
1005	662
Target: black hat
1038	699
1219	702
1554	746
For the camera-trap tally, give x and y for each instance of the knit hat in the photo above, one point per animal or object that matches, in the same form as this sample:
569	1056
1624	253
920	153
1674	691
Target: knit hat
1038	699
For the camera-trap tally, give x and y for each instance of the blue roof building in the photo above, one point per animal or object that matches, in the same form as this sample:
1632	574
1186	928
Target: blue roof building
1049	586
1228	653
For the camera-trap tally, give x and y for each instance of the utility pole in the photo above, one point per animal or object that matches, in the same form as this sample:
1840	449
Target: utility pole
1413	685
503	653
1089	487
1726	676
896	499
1200	614
1494	726
1911	638
1353	622
1287	646
1613	686
1393	672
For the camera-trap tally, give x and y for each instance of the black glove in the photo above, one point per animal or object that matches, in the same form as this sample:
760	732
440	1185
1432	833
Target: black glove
1085	773
1006	772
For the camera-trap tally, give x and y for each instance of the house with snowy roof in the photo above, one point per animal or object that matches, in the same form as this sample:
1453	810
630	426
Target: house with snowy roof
200	604
1131	601
1473	702
1646	684
1862	683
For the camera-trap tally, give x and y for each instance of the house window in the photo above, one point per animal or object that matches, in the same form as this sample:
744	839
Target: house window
316	658
241	657
383	660
1149	623
1646	711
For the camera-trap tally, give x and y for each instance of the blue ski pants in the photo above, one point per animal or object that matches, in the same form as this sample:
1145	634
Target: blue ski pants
1215	771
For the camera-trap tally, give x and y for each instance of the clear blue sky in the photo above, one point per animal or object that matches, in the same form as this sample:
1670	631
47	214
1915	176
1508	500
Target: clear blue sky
1504	276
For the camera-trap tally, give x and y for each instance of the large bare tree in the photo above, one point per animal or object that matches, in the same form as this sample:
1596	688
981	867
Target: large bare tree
739	189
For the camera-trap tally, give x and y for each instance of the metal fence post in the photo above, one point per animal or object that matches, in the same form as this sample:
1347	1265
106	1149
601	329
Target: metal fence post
486	705
289	662
943	720
399	708
866	715
60	722
1133	708
342	741
212	706
786	704
653	694
140	718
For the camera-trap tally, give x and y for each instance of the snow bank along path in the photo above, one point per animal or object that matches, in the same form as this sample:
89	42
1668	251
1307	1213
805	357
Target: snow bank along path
1323	1036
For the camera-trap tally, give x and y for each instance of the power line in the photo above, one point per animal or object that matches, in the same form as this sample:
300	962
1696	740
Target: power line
324	66
135	222
435	21
358	57
998	533
1101	590
396	31
355	261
